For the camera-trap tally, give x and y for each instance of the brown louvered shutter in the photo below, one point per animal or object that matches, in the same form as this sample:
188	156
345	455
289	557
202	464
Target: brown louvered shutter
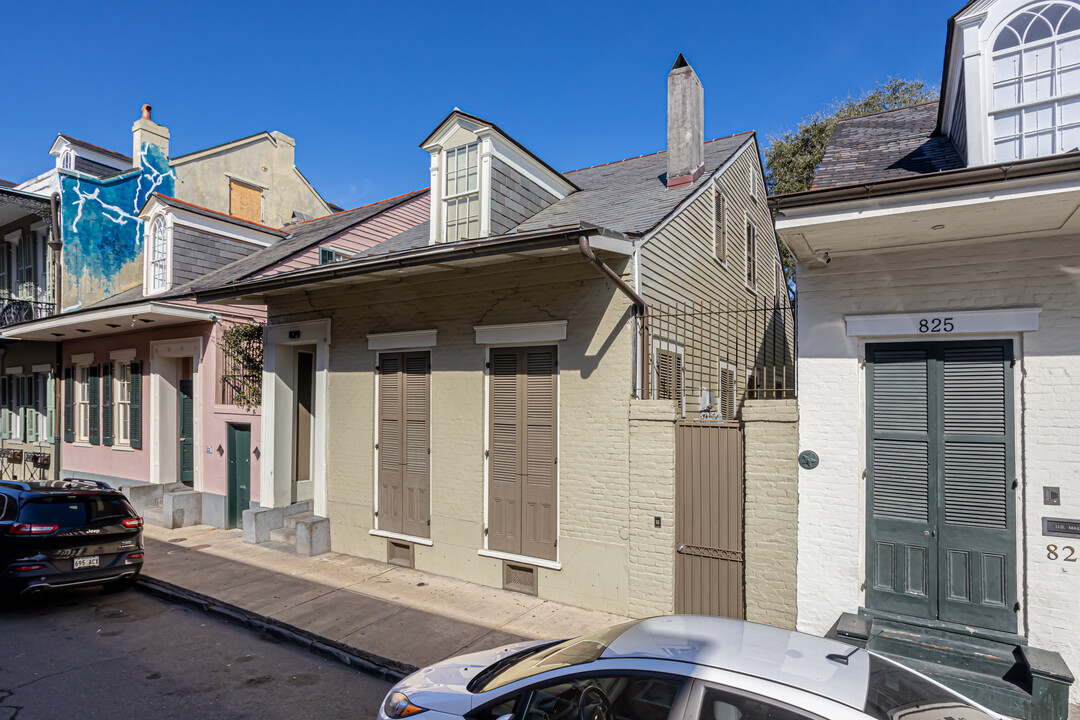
720	225
669	374
504	507
540	427
727	393
416	476
390	445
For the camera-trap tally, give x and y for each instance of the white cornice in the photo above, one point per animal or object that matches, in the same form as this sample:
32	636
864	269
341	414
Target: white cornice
402	340
940	325
518	333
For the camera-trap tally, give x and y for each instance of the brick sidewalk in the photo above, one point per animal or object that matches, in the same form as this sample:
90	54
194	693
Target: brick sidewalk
394	618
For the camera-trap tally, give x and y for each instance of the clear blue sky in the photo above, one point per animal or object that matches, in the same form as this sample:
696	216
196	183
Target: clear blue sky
359	84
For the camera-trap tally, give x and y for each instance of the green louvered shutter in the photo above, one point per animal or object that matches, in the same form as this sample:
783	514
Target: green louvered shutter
5	427
69	404
50	407
900	552
30	423
977	530
94	395
106	404
135	397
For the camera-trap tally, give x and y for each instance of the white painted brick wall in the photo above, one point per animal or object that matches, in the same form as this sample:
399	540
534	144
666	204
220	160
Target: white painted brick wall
1015	273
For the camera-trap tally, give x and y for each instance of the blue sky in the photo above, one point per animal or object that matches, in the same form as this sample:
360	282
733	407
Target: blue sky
359	84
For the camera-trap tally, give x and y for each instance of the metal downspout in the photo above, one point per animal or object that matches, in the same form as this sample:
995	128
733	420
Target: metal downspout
640	312
56	244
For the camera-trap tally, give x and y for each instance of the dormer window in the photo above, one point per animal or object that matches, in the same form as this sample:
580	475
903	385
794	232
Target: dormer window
462	197
1036	83
158	261
67	159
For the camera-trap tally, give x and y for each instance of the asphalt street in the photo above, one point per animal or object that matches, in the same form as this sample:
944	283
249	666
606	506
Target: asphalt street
93	655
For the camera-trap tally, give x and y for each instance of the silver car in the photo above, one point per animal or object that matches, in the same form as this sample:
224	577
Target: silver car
682	667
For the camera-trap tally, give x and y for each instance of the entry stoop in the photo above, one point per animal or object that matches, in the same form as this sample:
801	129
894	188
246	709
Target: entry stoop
291	529
996	669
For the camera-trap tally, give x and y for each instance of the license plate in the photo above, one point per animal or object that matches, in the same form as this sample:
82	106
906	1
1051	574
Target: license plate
85	562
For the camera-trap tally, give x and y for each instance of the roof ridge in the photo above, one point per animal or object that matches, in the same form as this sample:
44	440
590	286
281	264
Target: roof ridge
218	212
104	149
885	112
361	207
636	157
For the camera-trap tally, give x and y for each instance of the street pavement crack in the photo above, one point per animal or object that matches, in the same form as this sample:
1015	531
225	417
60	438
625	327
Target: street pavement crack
70	669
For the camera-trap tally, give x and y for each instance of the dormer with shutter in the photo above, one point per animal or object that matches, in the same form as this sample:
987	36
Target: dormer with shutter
483	182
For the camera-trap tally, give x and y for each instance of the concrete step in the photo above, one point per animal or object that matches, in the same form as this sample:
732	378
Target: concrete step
291	520
284	535
970	653
152	515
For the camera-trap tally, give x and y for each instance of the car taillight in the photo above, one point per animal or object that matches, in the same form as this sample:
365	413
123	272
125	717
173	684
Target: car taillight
132	522
132	558
27	568
31	529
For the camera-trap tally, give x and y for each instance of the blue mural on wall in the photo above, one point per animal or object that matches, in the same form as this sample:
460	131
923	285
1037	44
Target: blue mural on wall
101	229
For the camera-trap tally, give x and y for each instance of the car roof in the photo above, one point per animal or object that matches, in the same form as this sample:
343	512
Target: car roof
53	487
783	656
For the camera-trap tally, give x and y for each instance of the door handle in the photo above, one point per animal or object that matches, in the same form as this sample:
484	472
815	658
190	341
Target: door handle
930	533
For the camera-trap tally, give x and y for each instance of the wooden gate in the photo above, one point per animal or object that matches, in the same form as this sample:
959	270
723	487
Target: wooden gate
709	568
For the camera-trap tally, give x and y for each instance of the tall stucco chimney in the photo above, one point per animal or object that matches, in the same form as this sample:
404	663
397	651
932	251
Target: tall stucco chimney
147	132
685	125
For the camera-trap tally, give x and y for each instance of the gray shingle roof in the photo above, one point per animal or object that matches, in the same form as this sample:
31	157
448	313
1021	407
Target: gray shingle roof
886	145
97	148
629	196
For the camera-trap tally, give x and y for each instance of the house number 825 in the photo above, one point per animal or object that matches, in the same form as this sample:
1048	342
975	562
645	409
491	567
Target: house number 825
936	325
1052	553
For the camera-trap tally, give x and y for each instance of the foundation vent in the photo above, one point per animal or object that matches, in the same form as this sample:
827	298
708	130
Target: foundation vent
399	553
519	578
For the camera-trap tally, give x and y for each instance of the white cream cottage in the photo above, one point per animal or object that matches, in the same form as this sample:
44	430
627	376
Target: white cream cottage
939	367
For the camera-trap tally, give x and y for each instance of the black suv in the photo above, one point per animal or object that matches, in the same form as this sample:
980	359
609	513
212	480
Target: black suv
67	533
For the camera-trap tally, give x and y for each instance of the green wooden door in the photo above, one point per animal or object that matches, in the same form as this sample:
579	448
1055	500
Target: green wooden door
239	442
186	434
941	540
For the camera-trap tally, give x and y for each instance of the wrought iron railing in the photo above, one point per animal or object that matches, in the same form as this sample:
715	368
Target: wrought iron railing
19	311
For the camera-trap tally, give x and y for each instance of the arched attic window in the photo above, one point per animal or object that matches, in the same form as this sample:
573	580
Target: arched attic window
1036	83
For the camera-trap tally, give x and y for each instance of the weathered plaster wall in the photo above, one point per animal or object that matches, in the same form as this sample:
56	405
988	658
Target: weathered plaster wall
266	162
605	526
103	237
1008	273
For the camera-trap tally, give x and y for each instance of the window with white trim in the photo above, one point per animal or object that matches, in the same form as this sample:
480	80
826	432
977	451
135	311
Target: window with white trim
720	211
44	424
781	290
67	159
751	254
122	404
159	254
1035	76
462	193
82	403
26	267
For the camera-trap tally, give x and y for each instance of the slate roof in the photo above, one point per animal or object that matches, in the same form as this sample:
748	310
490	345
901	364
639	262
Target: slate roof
6	184
629	196
884	146
97	148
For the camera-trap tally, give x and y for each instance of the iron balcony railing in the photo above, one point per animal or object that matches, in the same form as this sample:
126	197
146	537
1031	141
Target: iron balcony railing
14	312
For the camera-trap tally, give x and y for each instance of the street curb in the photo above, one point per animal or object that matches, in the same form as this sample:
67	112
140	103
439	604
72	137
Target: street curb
380	667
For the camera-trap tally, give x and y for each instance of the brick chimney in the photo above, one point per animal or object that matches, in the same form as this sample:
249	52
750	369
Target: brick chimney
686	125
147	132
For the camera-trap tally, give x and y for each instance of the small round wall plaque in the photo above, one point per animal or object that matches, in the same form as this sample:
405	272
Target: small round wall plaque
808	459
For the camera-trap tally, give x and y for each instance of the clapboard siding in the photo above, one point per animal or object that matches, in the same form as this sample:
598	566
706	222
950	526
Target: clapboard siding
362	236
196	253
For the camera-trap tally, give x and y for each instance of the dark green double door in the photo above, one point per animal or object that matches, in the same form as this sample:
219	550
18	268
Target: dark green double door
941	539
239	454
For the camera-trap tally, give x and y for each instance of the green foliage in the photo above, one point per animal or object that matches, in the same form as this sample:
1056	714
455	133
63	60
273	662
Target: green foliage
242	365
792	157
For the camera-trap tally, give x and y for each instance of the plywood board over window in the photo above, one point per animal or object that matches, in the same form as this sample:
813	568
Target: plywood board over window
245	201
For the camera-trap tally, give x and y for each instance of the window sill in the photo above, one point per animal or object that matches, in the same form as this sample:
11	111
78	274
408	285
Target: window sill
399	536
721	263
81	444
123	448
523	559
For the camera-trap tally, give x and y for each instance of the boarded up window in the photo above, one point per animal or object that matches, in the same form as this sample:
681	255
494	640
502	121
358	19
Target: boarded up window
404	443
245	202
524	427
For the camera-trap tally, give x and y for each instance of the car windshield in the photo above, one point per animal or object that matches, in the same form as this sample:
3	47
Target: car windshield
67	511
577	651
895	692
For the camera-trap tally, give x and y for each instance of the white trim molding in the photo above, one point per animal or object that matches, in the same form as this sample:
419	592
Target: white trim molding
402	340
523	559
42	368
398	536
935	324
124	355
83	359
517	333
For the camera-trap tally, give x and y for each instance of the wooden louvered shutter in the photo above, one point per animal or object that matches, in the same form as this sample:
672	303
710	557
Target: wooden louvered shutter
390	443
719	225
135	406
5	427
106	404
727	393
416	481
69	404
94	394
504	505
901	558
669	375
977	533
539	428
